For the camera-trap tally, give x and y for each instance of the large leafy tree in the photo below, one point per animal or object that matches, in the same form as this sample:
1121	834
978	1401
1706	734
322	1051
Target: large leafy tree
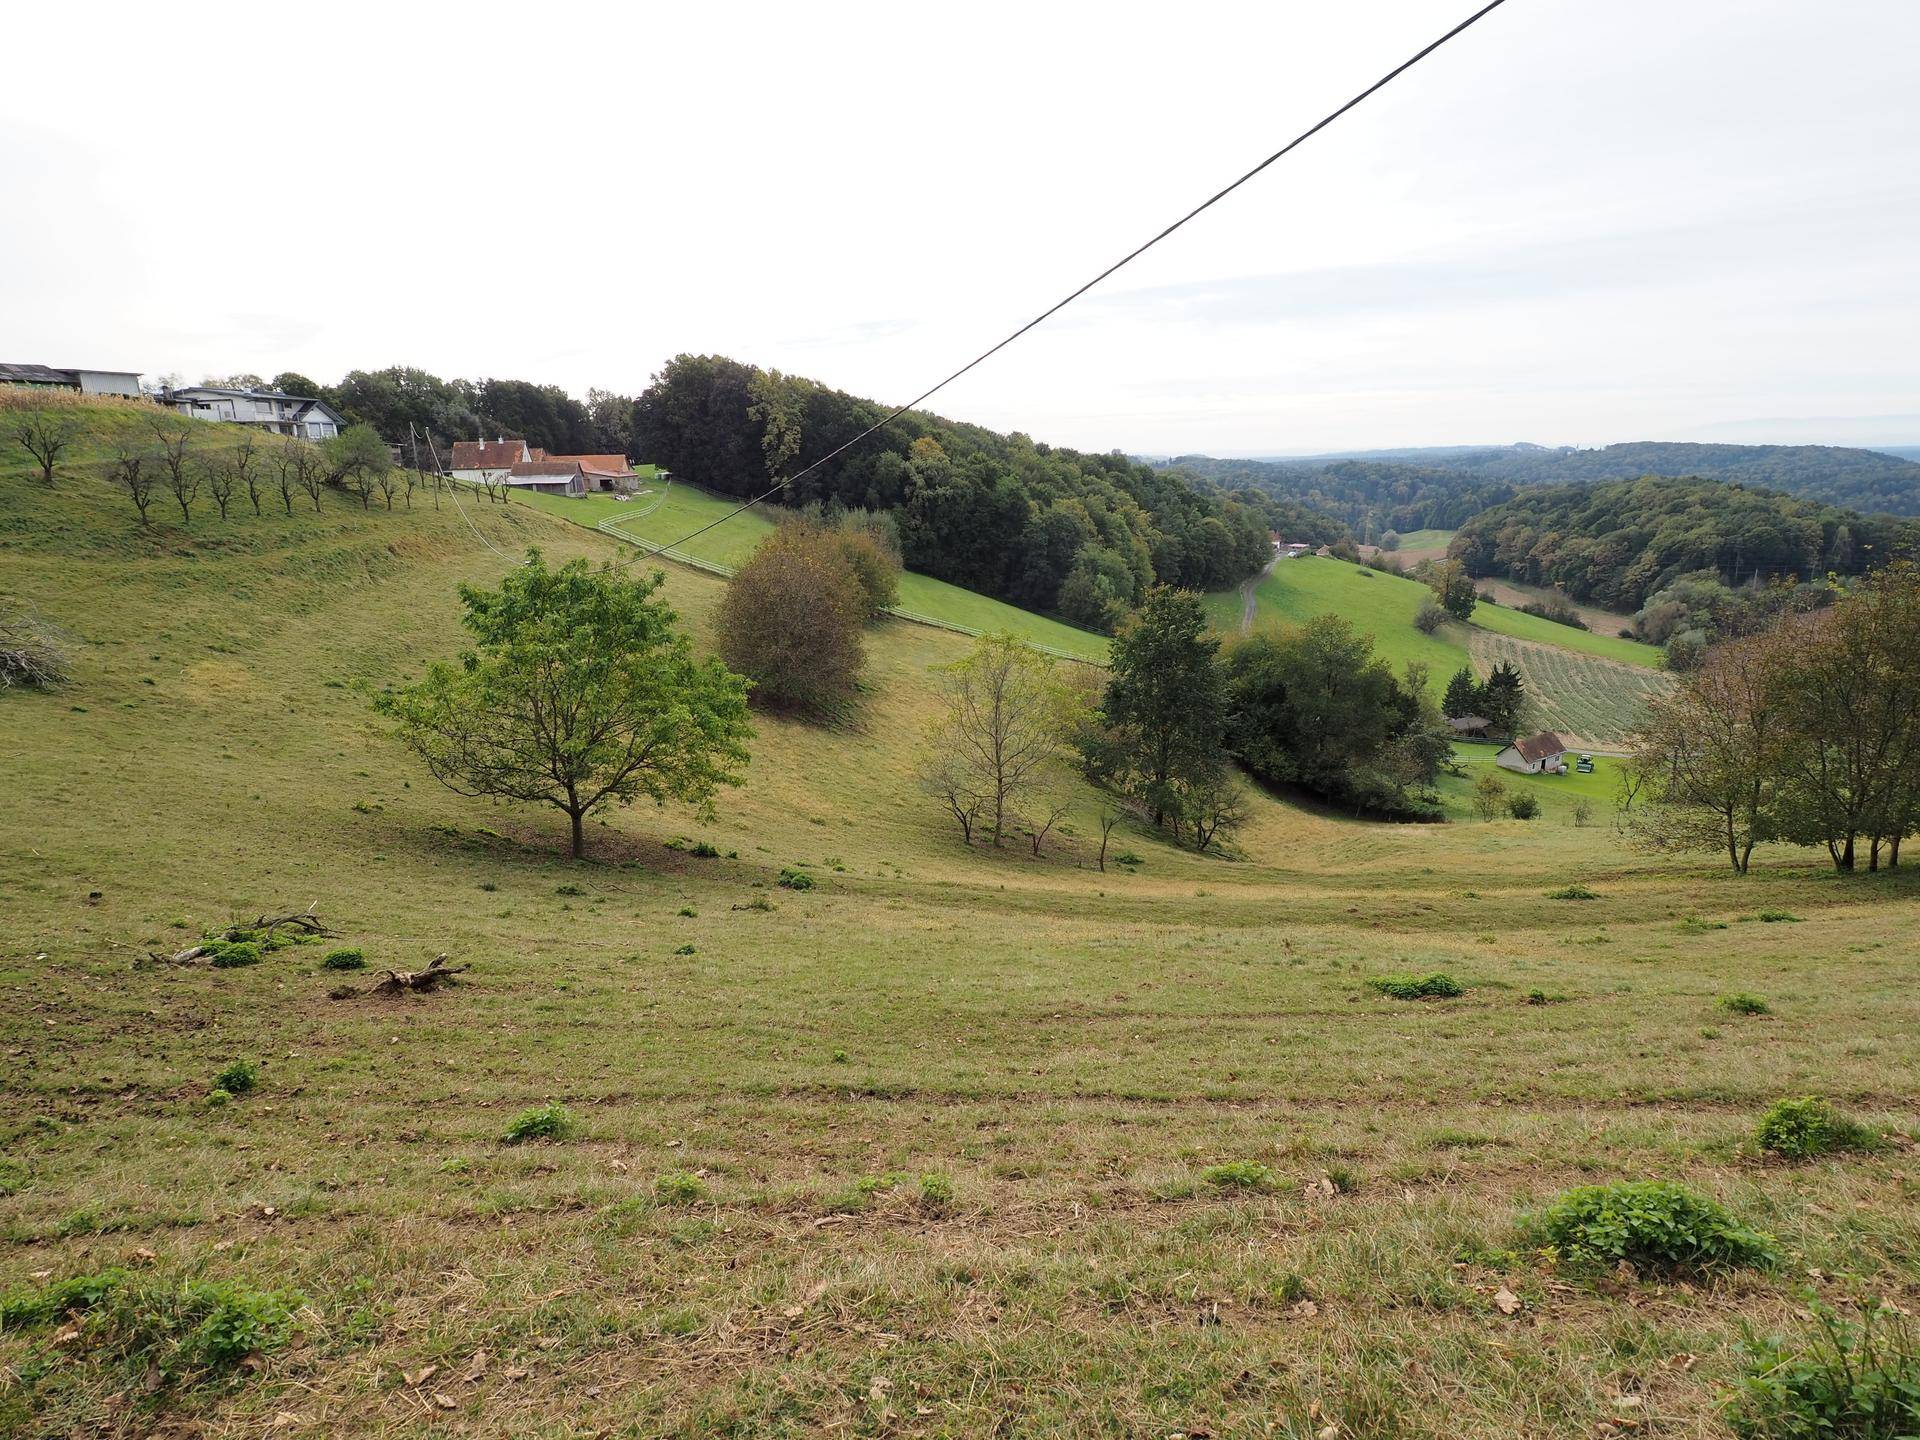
792	621
580	691
1160	737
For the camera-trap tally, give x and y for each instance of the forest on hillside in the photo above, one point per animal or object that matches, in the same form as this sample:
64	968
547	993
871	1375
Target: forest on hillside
1440	488
1060	531
1617	543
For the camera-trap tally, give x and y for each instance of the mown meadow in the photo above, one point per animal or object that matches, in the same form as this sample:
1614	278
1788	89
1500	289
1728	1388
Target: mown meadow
924	1141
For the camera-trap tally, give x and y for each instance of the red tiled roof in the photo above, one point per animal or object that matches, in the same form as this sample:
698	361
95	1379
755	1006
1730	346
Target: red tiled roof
1541	746
600	464
487	454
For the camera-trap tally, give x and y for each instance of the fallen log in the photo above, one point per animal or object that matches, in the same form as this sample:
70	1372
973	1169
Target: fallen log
405	982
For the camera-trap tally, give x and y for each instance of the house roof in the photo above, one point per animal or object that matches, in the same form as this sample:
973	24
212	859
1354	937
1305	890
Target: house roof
1469	722
599	464
37	375
1543	746
544	469
487	454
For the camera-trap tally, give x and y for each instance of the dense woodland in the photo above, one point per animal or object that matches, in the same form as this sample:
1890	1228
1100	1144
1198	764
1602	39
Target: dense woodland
1049	529
1441	488
1616	544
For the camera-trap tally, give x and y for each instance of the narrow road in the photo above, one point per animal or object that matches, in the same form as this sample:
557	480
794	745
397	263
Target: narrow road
1247	602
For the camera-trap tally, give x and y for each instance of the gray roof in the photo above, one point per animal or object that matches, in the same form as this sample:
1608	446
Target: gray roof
37	375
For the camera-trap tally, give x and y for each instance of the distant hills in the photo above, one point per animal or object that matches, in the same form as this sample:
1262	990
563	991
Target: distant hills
1413	489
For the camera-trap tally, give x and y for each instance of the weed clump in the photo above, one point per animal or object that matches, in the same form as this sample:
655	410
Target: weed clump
231	954
1437	986
1524	806
1240	1175
543	1122
1777	917
1846	1378
1650	1224
238	1078
1573	892
936	1191
346	957
1809	1126
679	1187
792	879
178	1332
1742	1003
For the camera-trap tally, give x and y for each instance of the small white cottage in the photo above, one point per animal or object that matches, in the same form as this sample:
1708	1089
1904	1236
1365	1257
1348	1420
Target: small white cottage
1542	754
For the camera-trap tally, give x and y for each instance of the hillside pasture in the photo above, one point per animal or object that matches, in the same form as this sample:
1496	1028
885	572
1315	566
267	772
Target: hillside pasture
684	508
953	1143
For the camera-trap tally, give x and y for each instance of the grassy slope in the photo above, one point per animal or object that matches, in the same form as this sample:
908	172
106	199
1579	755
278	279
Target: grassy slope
1070	1048
1589	695
687	507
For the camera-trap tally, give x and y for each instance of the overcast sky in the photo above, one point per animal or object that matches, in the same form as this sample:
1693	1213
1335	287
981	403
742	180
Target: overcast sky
1583	221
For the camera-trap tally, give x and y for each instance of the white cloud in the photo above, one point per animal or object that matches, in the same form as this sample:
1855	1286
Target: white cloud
1580	222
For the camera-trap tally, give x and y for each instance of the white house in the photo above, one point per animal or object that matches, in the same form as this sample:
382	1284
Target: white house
87	382
297	415
1542	754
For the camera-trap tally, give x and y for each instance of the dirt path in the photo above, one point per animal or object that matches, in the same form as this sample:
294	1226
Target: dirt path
1247	602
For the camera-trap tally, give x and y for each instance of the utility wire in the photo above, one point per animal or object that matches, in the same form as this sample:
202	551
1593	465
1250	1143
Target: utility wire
1126	259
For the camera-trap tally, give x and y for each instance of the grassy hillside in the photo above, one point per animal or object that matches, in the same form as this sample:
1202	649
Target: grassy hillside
1589	684
921	1151
684	508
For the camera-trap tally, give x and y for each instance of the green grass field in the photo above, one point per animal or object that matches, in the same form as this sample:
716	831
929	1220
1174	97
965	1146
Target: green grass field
1594	686
685	508
1426	539
922	1151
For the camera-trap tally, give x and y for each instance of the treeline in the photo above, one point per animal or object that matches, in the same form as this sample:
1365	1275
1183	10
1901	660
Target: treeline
403	396
1616	544
1806	733
1078	535
1440	488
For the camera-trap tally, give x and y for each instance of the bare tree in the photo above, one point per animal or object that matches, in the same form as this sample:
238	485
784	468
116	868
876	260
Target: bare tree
310	470
246	466
1214	809
411	477
1109	817
179	466
949	782
46	435
222	481
285	476
133	471
387	482
1005	736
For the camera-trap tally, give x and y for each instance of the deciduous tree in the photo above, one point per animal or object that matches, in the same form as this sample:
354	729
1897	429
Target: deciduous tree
580	691
46	435
791	621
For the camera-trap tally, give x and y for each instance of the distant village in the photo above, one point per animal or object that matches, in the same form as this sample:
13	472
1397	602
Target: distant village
497	462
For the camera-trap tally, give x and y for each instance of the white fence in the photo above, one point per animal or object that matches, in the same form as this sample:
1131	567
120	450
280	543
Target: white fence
611	526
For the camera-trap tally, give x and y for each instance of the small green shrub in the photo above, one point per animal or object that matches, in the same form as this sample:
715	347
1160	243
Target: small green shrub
1694	925
688	912
1651	1224
568	890
1127	857
544	1122
178	1330
704	851
1240	1175
238	1078
1845	1380
231	954
1572	892
679	1187
234	1321
685	950
1803	1128
219	1096
1741	1003
936	1191
346	957
1437	986
1523	806
792	879
1777	917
